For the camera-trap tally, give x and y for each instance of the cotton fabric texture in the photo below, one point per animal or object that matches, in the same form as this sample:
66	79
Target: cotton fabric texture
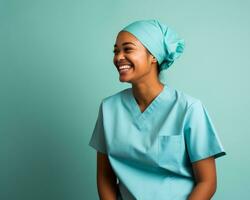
152	152
160	40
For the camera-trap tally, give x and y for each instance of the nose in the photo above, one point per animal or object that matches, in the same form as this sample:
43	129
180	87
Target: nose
118	57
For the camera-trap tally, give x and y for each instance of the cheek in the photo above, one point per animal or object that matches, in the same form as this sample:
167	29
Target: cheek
137	58
141	60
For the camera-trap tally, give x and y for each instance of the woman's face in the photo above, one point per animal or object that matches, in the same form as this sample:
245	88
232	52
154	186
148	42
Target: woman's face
132	60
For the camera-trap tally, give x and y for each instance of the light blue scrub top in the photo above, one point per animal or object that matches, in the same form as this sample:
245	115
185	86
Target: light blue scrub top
151	152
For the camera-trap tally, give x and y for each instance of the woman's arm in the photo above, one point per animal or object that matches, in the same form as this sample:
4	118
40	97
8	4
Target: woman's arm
106	178
205	176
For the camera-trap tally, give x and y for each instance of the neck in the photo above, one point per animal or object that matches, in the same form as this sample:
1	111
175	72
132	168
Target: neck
145	93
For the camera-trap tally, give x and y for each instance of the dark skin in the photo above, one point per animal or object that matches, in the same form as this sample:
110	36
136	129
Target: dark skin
106	178
143	75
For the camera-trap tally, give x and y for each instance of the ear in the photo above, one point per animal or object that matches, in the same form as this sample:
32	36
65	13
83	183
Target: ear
154	60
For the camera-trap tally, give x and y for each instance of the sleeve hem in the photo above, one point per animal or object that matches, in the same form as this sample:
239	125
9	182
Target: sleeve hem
97	149
215	155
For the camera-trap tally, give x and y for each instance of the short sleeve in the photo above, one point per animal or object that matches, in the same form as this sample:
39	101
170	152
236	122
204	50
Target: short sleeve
201	138
97	140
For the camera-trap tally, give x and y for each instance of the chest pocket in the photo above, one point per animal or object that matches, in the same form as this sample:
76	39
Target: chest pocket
169	151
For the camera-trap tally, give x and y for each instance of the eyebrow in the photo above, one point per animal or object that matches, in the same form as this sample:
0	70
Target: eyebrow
125	43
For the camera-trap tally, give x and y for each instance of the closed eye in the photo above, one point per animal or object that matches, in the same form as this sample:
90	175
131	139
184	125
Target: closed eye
126	49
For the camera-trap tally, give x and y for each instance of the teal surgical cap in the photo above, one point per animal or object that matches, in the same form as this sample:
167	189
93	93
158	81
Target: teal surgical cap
160	40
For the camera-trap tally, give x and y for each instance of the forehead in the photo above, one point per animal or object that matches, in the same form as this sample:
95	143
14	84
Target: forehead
127	38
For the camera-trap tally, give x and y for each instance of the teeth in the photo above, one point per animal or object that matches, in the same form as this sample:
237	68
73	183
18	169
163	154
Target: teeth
124	67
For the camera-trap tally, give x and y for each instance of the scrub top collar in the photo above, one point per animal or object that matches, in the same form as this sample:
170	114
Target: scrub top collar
164	93
139	117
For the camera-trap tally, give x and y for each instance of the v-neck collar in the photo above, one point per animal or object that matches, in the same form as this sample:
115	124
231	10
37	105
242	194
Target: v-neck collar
150	106
140	118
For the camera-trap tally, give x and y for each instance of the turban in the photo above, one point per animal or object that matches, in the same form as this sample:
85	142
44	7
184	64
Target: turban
160	40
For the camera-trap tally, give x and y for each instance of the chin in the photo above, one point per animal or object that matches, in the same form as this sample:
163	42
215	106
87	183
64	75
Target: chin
128	80
123	80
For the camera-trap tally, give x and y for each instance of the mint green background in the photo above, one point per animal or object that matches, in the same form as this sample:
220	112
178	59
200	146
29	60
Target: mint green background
56	66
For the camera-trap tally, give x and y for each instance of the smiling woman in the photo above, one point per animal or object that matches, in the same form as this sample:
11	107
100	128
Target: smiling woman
153	141
132	59
123	67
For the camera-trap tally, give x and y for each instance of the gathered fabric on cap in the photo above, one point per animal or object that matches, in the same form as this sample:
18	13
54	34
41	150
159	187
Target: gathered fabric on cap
160	40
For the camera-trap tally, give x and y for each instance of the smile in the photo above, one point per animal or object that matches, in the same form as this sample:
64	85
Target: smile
124	68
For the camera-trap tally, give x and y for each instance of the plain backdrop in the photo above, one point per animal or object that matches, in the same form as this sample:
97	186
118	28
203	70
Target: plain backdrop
56	66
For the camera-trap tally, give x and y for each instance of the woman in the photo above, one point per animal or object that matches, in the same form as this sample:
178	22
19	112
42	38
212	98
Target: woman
153	142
